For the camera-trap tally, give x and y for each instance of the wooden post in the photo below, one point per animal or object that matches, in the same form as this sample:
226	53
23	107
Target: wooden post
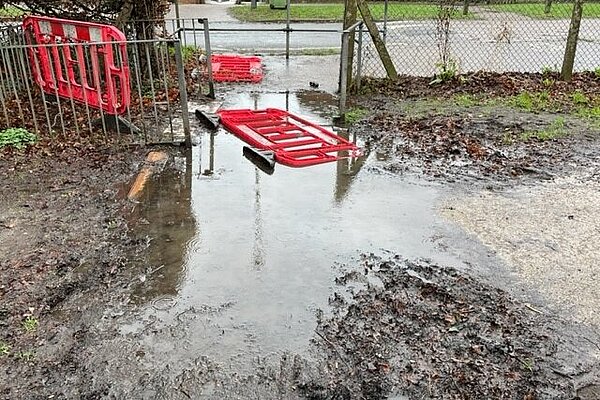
350	12
571	47
379	44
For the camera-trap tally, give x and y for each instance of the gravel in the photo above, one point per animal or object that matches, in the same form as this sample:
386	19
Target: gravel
548	233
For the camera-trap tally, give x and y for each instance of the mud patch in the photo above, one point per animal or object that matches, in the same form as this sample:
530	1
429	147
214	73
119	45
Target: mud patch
407	330
62	235
484	84
484	126
425	331
496	145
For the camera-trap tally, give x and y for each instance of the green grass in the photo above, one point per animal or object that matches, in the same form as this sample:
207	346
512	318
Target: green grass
530	101
4	349
554	131
28	355
325	51
579	98
335	12
589	112
30	324
466	100
558	10
17	138
11	12
355	114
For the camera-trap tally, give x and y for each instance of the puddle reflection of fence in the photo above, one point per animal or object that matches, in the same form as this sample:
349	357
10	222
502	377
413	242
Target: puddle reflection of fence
172	214
346	170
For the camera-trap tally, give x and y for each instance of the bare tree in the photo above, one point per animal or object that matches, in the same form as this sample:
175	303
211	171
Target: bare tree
446	64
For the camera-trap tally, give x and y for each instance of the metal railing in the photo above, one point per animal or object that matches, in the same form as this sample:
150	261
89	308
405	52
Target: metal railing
191	31
157	111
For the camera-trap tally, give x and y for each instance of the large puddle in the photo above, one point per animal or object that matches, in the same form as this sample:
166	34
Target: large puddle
241	261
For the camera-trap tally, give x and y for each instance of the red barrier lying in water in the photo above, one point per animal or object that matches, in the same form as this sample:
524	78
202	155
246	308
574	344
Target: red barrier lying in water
294	141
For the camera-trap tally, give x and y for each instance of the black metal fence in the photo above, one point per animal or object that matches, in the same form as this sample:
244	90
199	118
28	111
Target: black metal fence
156	112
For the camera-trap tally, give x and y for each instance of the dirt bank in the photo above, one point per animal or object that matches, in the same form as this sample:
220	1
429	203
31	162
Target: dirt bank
491	128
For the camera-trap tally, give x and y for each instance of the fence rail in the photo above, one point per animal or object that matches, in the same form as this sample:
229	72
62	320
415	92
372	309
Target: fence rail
156	111
474	36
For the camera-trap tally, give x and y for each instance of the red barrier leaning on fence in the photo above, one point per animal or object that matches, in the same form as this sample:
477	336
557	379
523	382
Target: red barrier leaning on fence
96	74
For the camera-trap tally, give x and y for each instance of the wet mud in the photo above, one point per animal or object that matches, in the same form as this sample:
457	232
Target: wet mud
484	127
224	282
479	145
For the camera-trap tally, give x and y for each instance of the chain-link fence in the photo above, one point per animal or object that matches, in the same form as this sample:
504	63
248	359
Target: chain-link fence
480	36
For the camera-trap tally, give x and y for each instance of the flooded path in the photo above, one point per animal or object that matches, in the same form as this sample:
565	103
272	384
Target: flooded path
247	259
351	280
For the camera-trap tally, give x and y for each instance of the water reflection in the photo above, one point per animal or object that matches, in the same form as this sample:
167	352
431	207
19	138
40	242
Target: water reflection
230	192
164	216
346	170
258	251
249	279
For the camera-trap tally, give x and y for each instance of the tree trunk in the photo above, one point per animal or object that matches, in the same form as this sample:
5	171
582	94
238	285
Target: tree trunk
548	7
571	47
124	15
466	7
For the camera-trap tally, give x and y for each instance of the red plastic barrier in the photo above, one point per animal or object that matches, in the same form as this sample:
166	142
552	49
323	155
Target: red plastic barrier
295	141
234	68
96	74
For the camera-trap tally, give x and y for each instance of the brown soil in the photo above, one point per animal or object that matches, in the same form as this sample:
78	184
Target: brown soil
484	141
69	259
62	235
489	84
426	331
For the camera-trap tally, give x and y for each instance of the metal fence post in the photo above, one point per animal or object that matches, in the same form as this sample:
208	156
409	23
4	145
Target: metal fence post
344	74
385	19
185	115
287	31
211	82
359	59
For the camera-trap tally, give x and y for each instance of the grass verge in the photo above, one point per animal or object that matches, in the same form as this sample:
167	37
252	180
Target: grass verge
553	131
557	11
335	12
10	12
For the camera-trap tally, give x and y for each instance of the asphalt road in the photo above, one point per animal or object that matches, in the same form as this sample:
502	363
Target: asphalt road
496	42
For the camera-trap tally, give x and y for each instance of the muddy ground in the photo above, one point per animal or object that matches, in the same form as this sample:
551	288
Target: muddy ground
486	127
404	329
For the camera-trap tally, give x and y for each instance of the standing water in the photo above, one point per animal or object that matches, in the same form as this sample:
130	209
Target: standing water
244	260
